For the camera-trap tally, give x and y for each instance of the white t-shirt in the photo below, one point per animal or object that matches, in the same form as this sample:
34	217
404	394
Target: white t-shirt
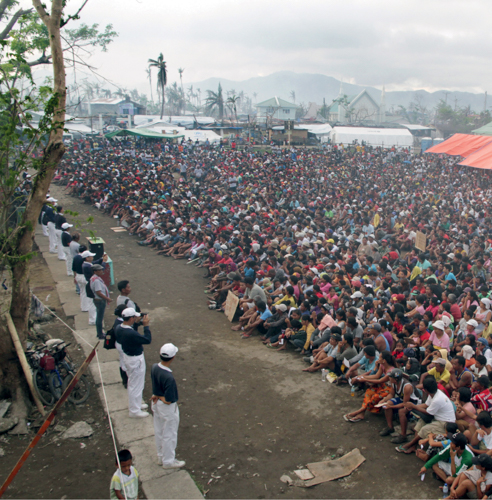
441	407
129	482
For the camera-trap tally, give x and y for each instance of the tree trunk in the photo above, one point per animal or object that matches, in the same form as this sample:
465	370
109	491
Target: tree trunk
162	103
11	372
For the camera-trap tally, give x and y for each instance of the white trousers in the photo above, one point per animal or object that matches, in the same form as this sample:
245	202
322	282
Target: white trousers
45	228
52	236
122	356
135	369
61	253
92	312
166	423
69	259
84	300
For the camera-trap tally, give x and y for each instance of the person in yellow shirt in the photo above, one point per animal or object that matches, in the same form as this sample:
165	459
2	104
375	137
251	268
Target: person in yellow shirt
288	299
439	372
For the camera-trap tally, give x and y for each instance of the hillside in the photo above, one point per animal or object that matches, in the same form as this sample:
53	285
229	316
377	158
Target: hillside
315	87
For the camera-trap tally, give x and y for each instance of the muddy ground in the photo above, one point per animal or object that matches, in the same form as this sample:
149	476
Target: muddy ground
248	414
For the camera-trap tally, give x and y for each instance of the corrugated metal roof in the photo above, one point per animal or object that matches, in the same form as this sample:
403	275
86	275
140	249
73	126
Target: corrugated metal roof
276	102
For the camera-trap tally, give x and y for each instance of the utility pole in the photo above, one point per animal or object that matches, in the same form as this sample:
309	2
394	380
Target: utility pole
485	102
446	97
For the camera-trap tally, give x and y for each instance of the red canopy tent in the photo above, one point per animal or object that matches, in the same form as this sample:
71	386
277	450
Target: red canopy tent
461	144
479	159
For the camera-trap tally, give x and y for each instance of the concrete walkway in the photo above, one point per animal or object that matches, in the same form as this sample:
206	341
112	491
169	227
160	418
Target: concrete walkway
136	435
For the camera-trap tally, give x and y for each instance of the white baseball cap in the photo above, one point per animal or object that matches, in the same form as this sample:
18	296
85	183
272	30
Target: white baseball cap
168	350
129	312
66	225
87	254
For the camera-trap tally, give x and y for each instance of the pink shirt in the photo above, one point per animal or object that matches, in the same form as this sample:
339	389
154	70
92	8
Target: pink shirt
443	342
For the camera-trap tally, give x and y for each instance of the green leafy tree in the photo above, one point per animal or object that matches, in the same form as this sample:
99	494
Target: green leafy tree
30	38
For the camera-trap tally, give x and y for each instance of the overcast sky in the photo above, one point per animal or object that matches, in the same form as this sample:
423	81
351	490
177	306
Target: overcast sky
403	44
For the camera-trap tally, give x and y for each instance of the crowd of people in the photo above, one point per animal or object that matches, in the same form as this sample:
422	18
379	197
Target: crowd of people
320	248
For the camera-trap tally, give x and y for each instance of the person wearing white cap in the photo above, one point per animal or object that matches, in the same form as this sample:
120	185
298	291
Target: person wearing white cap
165	408
87	269
66	239
132	344
42	219
49	214
87	304
59	220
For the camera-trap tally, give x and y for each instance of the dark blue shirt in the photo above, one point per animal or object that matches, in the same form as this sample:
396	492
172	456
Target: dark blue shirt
131	341
163	384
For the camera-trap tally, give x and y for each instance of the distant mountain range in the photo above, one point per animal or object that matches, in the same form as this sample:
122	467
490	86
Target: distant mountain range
314	87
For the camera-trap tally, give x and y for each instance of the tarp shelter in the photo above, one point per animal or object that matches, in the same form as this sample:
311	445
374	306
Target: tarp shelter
485	130
460	145
322	131
480	159
475	149
202	136
143	132
385	137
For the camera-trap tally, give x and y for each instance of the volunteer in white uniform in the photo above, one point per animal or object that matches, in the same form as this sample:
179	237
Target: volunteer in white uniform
132	345
165	408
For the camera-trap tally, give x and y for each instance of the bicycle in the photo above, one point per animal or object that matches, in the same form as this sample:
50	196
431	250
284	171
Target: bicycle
53	370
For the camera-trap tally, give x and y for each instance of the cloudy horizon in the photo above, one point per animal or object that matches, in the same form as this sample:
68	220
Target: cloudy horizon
404	46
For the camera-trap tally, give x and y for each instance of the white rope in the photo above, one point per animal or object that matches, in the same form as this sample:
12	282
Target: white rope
106	404
68	326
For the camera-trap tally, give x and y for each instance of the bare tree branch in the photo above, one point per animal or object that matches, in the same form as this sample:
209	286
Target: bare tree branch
44	59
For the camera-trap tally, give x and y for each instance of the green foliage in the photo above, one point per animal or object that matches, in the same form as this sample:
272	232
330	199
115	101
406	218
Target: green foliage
459	120
215	102
85	36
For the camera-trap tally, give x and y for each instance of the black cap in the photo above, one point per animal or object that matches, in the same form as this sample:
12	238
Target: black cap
97	267
484	461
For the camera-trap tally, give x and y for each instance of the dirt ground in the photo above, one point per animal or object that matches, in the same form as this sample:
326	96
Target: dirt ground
248	414
61	468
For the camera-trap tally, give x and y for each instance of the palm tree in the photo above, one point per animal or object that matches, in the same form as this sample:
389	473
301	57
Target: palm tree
149	76
293	96
215	102
181	71
255	95
160	64
232	102
199	97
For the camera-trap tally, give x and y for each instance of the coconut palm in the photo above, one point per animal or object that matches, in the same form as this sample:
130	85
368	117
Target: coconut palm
215	102
293	96
255	95
232	103
160	65
181	71
149	76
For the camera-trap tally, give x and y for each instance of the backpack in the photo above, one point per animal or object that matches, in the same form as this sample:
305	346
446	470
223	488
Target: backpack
110	340
89	292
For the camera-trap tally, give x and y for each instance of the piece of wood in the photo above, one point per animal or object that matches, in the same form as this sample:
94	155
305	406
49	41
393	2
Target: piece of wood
303	474
231	305
48	421
23	361
334	469
119	229
420	241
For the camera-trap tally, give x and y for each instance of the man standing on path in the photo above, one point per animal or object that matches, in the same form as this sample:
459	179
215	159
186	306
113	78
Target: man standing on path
49	213
66	239
59	221
101	297
123	298
165	408
132	344
88	272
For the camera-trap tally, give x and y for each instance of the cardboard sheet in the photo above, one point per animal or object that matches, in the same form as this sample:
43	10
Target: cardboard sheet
334	469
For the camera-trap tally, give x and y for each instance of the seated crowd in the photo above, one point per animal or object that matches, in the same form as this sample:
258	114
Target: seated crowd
320	248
